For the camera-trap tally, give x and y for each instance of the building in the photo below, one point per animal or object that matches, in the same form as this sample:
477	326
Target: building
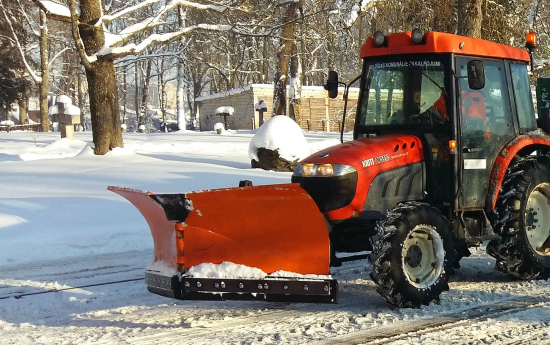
319	113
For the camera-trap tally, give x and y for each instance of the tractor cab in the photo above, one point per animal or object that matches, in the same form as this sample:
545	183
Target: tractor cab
464	98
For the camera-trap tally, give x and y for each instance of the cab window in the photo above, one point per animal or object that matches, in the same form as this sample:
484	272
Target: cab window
522	95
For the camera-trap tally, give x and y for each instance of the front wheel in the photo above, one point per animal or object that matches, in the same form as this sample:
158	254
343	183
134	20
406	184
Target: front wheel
413	255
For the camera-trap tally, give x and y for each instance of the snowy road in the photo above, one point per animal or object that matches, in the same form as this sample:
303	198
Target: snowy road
62	230
482	306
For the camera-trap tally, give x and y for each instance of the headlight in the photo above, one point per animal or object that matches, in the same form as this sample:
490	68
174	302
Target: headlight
325	170
322	170
308	169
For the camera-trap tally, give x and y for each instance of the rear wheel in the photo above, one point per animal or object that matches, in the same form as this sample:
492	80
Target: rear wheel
413	255
523	220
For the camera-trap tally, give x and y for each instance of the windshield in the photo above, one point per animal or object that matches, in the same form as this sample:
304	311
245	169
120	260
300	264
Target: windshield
404	92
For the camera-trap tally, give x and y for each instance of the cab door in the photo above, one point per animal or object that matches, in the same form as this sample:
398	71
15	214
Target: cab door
485	119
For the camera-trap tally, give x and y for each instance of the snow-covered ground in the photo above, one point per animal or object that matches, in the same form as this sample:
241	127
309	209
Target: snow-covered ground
62	230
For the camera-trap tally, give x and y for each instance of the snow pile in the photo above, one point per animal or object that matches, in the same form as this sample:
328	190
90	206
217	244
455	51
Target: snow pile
62	148
219	127
226	270
225	110
162	267
282	134
229	270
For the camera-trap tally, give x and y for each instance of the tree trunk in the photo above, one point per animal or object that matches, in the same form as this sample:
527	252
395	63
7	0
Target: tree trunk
295	97
469	18
102	85
44	120
102	89
23	109
181	95
283	57
124	90
265	61
136	91
143	114
80	96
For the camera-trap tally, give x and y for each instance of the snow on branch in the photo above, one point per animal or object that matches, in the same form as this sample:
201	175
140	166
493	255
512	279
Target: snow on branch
164	9
56	10
35	77
132	48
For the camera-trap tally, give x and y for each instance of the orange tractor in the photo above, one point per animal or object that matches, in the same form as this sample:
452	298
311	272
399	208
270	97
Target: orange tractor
447	154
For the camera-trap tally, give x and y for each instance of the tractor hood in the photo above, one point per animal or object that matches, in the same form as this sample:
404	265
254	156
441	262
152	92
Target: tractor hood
344	194
384	151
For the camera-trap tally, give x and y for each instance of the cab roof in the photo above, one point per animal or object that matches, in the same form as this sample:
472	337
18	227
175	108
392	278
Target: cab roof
439	42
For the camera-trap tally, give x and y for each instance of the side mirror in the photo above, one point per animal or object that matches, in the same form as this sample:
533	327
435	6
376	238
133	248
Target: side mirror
332	84
476	75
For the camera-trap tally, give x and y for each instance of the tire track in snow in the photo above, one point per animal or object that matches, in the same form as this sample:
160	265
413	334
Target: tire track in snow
446	321
277	320
273	316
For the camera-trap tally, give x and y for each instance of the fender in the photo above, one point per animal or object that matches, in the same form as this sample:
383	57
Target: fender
537	137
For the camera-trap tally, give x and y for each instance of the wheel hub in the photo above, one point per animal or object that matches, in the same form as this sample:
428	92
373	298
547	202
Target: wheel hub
423	256
414	256
537	219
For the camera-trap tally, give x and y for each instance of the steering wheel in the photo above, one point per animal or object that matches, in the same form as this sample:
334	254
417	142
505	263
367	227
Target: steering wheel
420	119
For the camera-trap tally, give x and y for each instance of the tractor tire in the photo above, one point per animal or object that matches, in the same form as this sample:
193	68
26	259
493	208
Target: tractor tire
522	220
413	255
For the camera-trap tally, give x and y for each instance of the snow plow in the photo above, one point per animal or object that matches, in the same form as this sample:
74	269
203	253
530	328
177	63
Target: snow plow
447	154
217	226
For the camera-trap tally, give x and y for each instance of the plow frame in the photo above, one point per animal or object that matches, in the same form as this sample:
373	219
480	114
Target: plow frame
270	289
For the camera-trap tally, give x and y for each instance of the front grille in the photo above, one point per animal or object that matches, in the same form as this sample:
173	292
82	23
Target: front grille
329	193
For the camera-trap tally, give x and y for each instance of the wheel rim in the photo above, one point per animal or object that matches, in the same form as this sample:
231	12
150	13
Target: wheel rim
423	256
537	219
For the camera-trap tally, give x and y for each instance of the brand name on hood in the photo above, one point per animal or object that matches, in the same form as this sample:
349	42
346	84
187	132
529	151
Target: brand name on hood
377	160
381	159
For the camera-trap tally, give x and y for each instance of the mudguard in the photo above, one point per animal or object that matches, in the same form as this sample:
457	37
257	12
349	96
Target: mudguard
273	228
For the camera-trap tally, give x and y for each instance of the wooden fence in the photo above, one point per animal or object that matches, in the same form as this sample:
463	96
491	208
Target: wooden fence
25	128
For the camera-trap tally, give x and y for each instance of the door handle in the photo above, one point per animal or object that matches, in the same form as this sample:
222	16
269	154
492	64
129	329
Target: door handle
471	149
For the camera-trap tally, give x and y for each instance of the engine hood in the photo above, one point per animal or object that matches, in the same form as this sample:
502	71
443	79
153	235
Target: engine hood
363	153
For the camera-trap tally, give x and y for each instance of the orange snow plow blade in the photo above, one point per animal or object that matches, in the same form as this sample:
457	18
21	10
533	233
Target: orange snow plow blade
273	228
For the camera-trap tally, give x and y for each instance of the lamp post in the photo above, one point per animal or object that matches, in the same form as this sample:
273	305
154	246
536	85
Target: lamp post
225	112
260	107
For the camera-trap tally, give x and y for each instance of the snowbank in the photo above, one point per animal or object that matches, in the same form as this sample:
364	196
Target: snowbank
282	134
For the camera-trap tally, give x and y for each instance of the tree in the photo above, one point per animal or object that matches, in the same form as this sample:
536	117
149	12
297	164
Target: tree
17	61
90	29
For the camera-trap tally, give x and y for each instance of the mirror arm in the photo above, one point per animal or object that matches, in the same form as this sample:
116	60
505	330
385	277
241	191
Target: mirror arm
346	92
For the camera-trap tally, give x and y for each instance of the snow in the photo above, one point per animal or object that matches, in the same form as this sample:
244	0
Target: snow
162	267
225	110
63	231
219	127
58	9
53	110
64	99
283	134
260	106
226	270
229	270
72	110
